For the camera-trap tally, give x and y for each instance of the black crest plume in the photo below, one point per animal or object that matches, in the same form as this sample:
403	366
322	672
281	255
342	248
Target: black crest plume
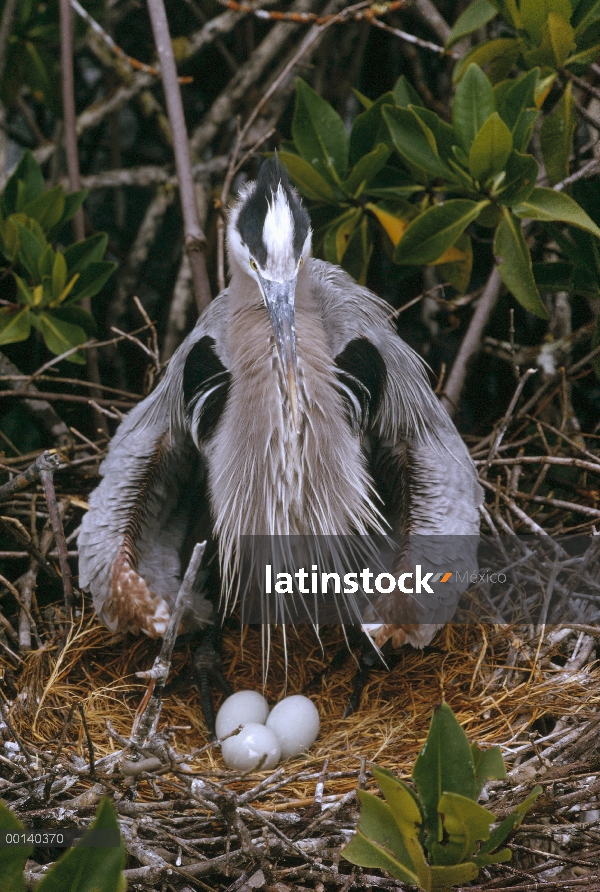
252	215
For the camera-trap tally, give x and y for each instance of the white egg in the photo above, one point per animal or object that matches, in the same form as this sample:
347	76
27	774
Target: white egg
239	709
295	721
244	751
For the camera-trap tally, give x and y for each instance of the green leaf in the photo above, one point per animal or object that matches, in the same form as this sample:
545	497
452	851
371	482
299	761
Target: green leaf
513	96
358	253
415	143
498	56
430	235
444	765
31	248
89	250
77	316
513	821
90	869
338	234
546	204
580	61
534	14
442	131
458	272
556	137
511	13
28	173
319	133
514	265
586	14
521	174
475	16
453	875
473	104
306	178
60	336
407	815
465	824
46	262
369	129
12	858
92	279
25	295
47	208
524	128
490	149
558	40
404	93
14	326
378	841
563	276
500	857
59	275
365	170
73	202
489	765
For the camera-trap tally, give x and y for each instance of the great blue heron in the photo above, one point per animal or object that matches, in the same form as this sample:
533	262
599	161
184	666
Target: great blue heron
293	407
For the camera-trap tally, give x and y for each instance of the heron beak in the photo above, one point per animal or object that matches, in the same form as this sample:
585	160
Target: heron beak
279	299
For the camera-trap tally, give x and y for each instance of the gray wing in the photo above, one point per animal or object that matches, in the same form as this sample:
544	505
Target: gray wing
152	494
420	465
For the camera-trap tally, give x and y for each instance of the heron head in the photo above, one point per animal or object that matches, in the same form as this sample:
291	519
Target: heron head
270	238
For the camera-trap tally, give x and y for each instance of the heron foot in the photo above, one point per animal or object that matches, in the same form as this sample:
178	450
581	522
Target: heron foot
205	671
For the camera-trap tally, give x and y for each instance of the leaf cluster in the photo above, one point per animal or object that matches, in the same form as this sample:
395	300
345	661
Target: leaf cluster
49	282
438	836
81	869
425	180
552	34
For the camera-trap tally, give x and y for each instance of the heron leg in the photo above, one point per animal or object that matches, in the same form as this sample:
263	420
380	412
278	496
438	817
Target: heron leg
207	670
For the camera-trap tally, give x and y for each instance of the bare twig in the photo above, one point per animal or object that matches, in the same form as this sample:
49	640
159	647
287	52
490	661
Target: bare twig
471	341
194	236
22	479
5	26
47	478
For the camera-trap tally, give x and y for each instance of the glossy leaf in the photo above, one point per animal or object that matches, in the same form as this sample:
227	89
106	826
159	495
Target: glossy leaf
534	15
92	280
339	233
466	823
319	133
490	149
514	265
81	254
414	142
519	183
513	96
473	104
73	201
407	815
475	16
47	208
369	129
366	170
14	326
28	173
489	765
497	55
435	230
444	765
442	131
513	821
394	224
305	177
556	137
558	40
358	253
12	858
77	316
586	14
60	336
405	94
59	275
89	869
453	875
31	248
457	271
378	841
546	204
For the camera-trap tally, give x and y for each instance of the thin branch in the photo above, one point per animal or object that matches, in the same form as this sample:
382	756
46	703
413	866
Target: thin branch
195	240
47	478
22	479
471	341
5	26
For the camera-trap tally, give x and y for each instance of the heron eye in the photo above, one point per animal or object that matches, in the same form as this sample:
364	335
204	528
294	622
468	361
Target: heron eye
253	264
301	263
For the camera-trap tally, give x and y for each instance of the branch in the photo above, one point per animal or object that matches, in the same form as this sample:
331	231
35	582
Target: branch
40	410
5	26
195	240
428	13
68	98
471	341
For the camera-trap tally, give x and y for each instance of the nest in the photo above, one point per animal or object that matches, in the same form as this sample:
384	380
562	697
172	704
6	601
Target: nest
70	697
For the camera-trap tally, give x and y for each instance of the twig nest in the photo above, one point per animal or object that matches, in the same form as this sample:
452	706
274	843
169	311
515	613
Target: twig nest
256	746
239	709
295	721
